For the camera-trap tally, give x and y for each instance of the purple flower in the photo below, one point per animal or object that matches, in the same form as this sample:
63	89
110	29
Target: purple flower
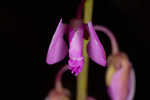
76	29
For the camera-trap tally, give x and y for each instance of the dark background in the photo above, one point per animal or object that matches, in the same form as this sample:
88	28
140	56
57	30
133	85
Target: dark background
27	31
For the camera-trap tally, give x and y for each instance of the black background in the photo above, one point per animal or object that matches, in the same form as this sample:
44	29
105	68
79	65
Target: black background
27	30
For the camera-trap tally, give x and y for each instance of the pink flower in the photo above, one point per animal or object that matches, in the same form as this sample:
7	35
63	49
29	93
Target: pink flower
120	76
58	48
123	79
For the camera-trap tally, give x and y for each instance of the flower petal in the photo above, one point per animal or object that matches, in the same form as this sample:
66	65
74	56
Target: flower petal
118	90
58	48
116	86
76	44
131	85
94	48
76	60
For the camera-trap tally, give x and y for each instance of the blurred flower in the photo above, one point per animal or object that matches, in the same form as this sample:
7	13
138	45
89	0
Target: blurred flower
59	93
119	82
120	76
91	98
76	29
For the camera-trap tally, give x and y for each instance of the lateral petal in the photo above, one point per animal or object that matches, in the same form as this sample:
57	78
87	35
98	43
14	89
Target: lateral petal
94	48
58	48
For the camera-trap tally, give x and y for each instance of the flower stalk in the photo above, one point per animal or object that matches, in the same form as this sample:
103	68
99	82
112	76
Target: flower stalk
83	76
82	79
59	93
58	84
114	44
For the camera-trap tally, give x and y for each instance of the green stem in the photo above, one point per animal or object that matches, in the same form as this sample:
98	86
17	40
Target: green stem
88	11
82	79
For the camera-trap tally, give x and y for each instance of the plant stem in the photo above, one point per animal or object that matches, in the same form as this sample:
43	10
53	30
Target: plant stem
88	11
82	79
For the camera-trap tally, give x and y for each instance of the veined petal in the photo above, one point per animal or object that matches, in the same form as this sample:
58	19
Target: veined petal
94	48
58	48
76	59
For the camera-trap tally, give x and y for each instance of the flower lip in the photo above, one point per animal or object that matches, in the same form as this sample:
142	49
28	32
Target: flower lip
76	65
76	59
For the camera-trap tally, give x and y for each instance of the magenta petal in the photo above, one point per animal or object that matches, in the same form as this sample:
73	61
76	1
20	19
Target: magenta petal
116	87
95	49
58	48
131	85
76	59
